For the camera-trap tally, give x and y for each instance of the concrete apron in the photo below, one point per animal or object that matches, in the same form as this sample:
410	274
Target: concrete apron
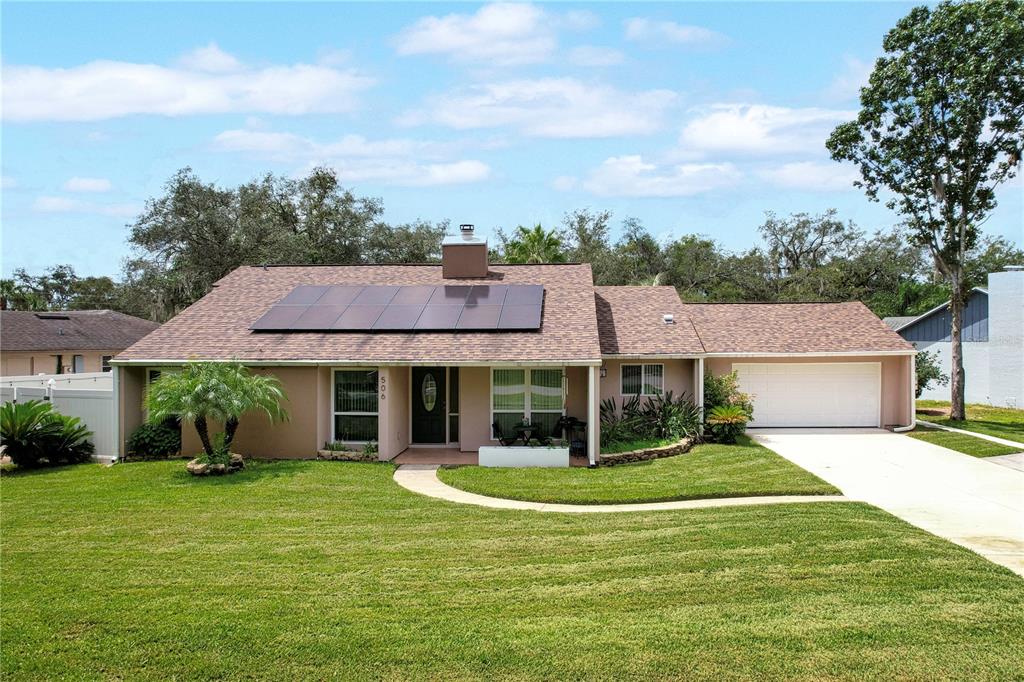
958	497
423	479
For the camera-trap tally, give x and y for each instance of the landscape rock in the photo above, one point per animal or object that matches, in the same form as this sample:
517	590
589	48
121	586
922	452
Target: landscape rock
644	455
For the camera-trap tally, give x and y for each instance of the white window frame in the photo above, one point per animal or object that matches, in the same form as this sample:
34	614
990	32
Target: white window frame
335	413
643	378
105	365
527	385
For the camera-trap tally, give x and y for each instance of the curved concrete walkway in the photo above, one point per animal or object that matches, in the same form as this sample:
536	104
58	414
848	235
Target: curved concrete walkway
422	479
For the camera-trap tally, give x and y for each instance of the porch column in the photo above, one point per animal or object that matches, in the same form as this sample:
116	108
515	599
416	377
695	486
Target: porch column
593	415
699	392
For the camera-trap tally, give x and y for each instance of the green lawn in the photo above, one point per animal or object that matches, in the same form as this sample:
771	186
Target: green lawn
305	570
706	471
1003	422
969	445
629	446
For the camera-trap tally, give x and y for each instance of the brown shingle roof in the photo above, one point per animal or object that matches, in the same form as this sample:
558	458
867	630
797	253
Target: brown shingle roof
792	328
630	322
217	326
22	330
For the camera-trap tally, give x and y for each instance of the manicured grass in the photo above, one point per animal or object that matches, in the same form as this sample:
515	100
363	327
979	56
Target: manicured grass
969	445
314	570
629	446
1003	422
706	471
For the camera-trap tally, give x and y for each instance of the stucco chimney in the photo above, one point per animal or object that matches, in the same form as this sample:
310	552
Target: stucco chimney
464	254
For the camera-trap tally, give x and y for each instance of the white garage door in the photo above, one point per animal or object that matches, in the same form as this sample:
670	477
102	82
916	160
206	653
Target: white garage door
813	394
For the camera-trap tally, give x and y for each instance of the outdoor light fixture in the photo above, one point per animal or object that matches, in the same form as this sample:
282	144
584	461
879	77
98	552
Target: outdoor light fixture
604	372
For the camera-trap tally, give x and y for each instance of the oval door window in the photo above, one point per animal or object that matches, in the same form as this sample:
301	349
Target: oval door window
429	392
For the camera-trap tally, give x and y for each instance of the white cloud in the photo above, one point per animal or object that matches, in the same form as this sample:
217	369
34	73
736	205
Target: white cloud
631	176
548	107
210	58
356	159
52	204
499	33
654	32
109	89
594	55
846	85
811	175
760	129
77	184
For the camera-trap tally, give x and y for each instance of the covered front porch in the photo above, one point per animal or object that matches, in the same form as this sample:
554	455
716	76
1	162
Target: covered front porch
455	457
446	413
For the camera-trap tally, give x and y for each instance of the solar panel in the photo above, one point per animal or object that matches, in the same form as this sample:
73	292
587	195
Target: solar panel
415	308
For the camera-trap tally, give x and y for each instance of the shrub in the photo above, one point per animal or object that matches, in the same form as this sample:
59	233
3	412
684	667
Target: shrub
724	389
34	433
726	422
370	449
927	367
663	416
336	446
156	440
667	417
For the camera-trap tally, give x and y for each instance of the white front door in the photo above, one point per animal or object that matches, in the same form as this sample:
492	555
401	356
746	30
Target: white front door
813	393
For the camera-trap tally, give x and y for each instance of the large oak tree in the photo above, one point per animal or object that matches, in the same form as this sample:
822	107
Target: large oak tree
940	127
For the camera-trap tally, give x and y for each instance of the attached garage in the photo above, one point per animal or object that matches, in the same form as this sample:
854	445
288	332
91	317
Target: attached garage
813	394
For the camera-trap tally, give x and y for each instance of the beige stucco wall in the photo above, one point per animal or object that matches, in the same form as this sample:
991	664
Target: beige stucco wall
297	438
680	377
896	377
131	384
24	363
393	423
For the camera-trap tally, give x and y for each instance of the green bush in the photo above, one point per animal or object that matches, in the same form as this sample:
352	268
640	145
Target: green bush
155	440
660	417
724	389
727	422
33	434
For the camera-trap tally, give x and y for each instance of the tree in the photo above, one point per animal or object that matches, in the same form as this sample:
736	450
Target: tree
638	258
217	391
940	127
534	245
586	241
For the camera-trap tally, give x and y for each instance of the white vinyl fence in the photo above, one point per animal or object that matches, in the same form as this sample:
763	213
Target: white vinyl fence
89	396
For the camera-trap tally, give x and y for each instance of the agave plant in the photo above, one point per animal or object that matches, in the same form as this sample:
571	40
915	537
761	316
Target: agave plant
670	417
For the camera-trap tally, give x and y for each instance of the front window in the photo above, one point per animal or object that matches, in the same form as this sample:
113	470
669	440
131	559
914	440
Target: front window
536	395
355	405
647	380
105	362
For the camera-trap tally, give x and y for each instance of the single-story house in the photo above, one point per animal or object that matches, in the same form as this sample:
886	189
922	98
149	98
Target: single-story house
992	340
65	341
433	356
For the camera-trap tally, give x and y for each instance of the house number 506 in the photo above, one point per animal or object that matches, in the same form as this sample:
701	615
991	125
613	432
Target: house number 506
383	387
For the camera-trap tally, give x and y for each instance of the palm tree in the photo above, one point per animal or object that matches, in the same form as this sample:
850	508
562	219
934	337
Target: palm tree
217	391
535	245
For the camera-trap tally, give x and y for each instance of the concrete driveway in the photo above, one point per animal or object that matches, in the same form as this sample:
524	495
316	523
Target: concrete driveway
964	499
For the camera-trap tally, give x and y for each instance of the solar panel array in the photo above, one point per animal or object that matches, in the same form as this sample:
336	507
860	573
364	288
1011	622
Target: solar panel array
307	308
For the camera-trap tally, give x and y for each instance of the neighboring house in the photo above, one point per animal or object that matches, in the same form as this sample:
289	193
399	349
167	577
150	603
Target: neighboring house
62	342
992	341
432	355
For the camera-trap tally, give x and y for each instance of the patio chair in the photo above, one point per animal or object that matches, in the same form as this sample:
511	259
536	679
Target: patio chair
502	438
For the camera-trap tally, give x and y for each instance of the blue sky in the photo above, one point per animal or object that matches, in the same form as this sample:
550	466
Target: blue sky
694	118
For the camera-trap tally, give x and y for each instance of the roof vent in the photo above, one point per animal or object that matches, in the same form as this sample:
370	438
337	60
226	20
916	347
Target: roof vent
668	318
